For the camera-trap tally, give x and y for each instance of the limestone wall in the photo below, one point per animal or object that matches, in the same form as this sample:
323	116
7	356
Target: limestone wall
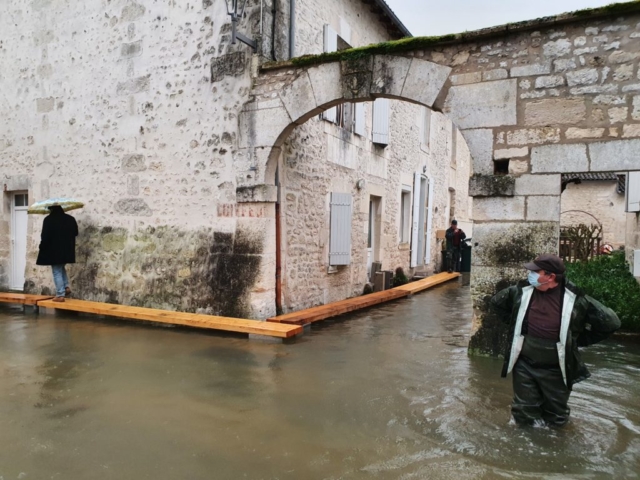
307	184
351	19
113	103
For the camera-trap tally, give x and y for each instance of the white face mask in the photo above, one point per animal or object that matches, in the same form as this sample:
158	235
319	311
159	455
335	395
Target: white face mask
533	278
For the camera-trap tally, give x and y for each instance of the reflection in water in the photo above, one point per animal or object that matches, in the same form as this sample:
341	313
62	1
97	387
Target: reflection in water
386	393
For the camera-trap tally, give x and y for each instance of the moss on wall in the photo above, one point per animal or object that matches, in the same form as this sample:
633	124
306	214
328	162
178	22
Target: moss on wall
165	267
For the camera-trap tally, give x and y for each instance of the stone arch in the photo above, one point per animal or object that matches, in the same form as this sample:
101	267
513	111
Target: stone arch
305	93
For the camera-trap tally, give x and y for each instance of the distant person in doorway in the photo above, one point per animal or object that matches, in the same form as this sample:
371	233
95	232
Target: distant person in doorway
549	318
454	237
58	247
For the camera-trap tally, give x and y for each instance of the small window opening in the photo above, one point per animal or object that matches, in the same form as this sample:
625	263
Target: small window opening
501	167
21	200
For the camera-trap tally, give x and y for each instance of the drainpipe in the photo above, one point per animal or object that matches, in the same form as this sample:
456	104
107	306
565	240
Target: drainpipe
274	12
292	28
278	250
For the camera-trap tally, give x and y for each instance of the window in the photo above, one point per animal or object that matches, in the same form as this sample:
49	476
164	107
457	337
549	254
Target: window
349	116
21	200
340	225
501	167
405	214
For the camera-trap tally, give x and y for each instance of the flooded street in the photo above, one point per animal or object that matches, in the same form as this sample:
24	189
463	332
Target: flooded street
387	393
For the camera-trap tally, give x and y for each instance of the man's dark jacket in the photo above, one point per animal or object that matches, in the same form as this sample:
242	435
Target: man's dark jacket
589	322
450	234
58	239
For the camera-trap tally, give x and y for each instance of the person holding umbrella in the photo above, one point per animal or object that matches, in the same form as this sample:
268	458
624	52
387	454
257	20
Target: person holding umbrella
58	241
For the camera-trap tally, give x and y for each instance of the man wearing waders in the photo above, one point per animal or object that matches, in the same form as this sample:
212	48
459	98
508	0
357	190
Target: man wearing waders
549	318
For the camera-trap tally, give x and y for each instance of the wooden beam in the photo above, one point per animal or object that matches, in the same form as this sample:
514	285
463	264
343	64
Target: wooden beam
322	312
211	322
22	298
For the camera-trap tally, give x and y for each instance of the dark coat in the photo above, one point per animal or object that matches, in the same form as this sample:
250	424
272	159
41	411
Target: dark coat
450	235
589	322
58	239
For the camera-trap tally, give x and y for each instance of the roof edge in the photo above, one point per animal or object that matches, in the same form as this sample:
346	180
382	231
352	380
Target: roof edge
394	18
416	43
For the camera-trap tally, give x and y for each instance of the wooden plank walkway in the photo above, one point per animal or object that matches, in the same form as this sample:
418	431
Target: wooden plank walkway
322	312
176	318
428	282
22	298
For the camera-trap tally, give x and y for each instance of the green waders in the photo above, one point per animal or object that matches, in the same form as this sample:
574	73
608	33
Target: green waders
539	391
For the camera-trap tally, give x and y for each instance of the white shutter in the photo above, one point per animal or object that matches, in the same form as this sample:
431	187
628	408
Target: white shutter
422	220
427	256
340	239
330	45
426	125
633	192
360	120
381	121
415	220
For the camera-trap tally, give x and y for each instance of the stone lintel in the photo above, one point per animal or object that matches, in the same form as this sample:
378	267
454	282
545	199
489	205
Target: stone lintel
492	186
16	182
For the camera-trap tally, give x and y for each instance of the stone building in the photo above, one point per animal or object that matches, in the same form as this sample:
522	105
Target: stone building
135	108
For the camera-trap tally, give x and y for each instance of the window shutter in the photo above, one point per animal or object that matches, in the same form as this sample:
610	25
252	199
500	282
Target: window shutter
360	120
633	192
415	220
427	256
381	121
340	240
426	125
330	45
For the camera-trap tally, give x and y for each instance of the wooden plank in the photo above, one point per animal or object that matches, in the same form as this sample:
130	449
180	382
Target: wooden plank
428	282
176	318
22	298
322	312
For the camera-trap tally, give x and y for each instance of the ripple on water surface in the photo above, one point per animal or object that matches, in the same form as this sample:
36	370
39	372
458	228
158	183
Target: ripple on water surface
385	393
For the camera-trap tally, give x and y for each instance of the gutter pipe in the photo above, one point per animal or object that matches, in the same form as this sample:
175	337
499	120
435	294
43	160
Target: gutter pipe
292	28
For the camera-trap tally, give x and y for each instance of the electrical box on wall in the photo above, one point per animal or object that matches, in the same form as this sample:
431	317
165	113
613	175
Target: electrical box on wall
636	263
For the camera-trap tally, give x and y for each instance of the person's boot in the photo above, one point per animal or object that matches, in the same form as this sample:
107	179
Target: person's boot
67	292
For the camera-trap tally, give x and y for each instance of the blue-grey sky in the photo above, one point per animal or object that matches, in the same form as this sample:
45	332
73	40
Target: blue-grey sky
438	17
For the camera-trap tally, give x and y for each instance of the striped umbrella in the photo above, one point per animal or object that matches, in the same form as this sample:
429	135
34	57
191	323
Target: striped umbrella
66	204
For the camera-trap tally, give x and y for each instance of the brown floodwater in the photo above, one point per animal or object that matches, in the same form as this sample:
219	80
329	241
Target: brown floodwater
387	393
